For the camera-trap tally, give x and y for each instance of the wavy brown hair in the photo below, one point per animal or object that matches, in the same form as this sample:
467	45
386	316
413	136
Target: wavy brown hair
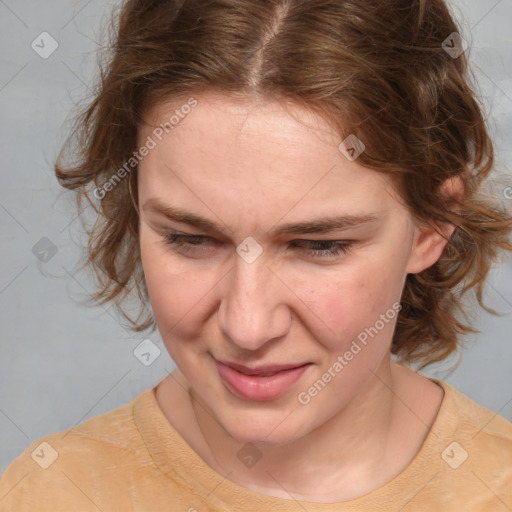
378	70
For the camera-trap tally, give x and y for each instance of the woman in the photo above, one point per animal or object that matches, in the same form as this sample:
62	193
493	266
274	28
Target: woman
294	188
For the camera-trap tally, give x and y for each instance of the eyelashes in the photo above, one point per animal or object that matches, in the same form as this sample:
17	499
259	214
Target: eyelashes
198	244
325	248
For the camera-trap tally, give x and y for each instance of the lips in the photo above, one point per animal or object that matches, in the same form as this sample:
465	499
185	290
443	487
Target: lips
261	370
260	383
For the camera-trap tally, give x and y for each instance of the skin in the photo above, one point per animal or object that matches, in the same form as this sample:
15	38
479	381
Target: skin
250	166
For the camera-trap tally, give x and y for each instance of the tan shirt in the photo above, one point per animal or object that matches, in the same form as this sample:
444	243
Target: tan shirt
132	459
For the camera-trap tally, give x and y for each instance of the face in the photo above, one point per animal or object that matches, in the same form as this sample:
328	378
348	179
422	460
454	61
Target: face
274	264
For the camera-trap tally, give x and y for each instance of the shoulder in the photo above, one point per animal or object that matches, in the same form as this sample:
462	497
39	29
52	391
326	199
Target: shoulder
58	469
474	450
474	420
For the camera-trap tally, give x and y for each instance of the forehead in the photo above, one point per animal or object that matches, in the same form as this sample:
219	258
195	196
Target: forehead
255	154
248	120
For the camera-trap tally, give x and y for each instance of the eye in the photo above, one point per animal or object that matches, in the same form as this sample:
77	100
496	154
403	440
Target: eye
186	243
315	248
325	248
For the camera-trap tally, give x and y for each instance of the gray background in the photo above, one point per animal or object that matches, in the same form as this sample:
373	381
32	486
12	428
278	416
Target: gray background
62	363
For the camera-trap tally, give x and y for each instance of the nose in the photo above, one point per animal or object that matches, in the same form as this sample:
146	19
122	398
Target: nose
253	309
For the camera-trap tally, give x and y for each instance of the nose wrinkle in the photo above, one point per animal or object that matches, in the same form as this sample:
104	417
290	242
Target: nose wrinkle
249	332
250	313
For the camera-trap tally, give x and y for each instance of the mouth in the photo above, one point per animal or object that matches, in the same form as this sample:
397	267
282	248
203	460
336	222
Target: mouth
260	383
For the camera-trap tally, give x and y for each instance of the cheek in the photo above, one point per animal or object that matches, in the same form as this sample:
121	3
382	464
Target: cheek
351	305
173	291
362	312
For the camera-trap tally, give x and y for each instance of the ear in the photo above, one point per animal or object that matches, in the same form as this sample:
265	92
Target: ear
430	238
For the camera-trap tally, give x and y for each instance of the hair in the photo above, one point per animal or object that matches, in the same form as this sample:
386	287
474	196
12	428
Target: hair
376	70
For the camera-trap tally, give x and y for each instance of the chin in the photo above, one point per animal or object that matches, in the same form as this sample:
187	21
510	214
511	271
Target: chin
262	428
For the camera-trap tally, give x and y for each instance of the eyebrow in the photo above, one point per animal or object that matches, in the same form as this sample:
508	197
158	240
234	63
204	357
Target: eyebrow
321	225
